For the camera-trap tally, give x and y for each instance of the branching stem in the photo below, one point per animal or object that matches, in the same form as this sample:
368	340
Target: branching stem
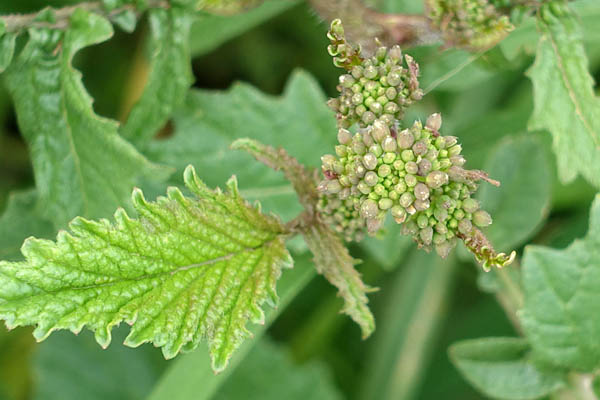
16	23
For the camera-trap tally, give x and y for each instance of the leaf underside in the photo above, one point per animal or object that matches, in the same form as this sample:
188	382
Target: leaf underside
564	99
185	270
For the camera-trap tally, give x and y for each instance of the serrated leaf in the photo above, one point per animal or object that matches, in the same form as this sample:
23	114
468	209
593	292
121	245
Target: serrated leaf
185	270
564	99
522	201
499	368
333	261
170	76
68	367
210	121
562	301
270	374
81	165
7	49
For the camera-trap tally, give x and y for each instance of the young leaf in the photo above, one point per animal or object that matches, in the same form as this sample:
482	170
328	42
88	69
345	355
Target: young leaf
562	300
7	49
522	201
185	270
333	261
81	165
564	99
170	76
499	368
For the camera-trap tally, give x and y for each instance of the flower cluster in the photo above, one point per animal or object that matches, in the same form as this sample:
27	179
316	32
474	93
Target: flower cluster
416	175
471	24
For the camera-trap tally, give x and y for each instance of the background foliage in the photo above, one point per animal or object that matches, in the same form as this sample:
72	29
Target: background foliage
265	75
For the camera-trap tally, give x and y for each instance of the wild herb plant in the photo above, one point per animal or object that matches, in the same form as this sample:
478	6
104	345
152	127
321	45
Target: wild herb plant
199	263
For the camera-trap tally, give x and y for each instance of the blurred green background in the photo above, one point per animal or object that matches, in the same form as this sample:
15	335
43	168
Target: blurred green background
424	304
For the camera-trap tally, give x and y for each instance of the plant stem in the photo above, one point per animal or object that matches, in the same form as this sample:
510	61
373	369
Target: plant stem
16	23
580	388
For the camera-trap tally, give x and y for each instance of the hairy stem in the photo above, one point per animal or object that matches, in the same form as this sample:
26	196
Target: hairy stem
16	23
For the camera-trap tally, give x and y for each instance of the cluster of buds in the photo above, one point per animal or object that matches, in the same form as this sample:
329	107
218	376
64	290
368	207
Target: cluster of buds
470	24
342	216
416	175
379	87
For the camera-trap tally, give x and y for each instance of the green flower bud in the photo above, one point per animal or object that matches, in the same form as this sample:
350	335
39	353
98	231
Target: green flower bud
481	218
424	167
389	158
363	187
411	167
465	226
391	93
368	117
369	209
344	136
421	205
420	148
410	180
407	155
389	144
385	204
376	149
405	139
384	170
421	191
454	150
436	179
406	199
434	122
370	72
470	205
370	161
379	131
371	178
426	235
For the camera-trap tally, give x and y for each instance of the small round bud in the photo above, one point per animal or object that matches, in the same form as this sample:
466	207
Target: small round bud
395	53
389	144
441	228
380	53
470	205
454	150
370	72
333	187
357	72
406	199
344	136
369	209
465	226
371	178
421	191
347	81
410	180
481	218
394	78
385	204
398	165
368	117
327	160
421	205
434	122
426	235
363	187
376	149
411	167
458	160
357	98
370	161
422	221
358	147
424	167
389	158
341	150
407	155
405	139
379	131
450	141
440	213
376	107
435	179
391	93
420	148
384	170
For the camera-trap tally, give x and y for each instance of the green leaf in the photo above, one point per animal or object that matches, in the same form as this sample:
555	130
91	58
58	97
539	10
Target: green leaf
564	99
68	367
190	376
82	166
333	261
270	374
19	221
210	121
186	270
7	49
210	31
499	368
522	201
560	316
170	76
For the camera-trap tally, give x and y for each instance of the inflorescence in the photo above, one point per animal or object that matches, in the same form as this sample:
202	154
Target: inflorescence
414	174
470	24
